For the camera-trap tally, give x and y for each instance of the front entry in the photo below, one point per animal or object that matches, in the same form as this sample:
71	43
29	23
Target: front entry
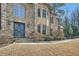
19	30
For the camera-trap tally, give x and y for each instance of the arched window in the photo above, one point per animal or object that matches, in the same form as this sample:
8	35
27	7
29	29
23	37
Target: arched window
18	10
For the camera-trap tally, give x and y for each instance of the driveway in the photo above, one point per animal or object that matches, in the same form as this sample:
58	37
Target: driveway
58	48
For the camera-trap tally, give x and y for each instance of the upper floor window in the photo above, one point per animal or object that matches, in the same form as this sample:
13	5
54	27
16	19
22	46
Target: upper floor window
18	10
44	13
39	12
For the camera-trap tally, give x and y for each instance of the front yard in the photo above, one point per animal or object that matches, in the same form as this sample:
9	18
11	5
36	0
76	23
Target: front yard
67	47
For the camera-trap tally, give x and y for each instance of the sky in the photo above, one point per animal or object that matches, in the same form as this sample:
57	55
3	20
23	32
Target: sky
70	7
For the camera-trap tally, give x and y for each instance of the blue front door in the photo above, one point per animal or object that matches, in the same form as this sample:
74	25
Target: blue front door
19	30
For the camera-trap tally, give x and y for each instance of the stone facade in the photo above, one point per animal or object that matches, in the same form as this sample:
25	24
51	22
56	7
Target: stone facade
30	19
54	22
41	20
56	29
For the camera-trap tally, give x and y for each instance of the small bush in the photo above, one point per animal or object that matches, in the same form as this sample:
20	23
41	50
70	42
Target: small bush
49	38
58	35
36	36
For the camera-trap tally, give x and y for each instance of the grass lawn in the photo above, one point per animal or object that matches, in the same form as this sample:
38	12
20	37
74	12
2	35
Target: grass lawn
67	48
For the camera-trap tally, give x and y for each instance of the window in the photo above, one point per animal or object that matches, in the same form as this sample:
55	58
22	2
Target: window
18	10
39	28
39	12
44	13
0	16
44	29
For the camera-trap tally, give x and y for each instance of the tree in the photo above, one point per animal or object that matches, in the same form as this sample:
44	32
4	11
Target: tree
75	18
75	30
67	26
55	7
70	31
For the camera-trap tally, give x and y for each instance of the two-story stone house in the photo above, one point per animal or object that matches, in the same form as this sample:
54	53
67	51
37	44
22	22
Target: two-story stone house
19	19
